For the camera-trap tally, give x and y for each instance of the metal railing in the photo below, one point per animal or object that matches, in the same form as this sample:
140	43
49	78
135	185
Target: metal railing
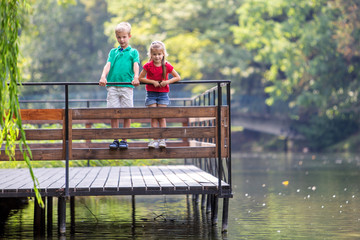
213	96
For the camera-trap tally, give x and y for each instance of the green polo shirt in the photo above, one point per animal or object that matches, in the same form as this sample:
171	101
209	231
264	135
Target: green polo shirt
122	62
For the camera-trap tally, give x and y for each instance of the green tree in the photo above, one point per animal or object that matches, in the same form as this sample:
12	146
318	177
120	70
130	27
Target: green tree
196	33
10	119
298	46
65	43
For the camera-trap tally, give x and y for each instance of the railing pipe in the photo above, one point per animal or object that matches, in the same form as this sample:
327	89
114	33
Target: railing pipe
67	140
228	92
219	135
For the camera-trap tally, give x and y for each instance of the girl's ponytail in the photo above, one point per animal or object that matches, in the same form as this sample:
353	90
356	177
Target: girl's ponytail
163	69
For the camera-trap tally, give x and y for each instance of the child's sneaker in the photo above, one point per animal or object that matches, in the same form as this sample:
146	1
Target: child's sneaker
123	144
114	145
152	144
162	143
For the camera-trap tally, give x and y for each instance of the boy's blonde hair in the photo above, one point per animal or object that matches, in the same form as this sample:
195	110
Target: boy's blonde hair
123	27
159	45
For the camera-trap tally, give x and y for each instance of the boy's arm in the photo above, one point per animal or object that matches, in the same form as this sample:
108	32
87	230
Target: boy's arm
176	78
136	82
104	74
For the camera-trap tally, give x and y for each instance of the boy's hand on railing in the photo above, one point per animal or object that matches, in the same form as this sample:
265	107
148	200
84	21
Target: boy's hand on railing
102	82
135	82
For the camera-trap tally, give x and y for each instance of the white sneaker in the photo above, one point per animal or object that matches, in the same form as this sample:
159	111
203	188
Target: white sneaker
152	144
162	143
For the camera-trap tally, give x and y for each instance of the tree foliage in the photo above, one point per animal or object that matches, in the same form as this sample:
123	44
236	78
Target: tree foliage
300	56
309	53
10	119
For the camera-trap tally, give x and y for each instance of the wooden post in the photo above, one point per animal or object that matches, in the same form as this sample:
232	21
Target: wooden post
72	214
39	219
133	211
49	215
208	203
225	216
62	215
214	209
203	201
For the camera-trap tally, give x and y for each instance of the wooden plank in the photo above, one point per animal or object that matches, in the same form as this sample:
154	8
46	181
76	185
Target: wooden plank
105	121
43	134
85	183
143	133
174	179
112	182
57	175
106	153
59	185
38	154
42	114
206	175
13	176
144	153
42	174
136	112
99	182
134	144
180	173
149	179
137	179
125	183
163	181
225	131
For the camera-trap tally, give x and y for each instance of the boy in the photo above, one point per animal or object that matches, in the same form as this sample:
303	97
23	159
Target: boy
122	66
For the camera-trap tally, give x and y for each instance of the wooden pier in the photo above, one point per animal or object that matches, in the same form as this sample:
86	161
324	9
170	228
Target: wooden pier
199	134
96	181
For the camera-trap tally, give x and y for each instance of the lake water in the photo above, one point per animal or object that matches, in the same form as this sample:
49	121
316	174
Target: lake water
276	196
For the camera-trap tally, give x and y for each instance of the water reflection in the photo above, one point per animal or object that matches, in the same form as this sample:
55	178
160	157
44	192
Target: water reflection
276	196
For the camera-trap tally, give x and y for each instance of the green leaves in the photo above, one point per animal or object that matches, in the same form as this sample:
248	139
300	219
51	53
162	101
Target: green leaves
10	119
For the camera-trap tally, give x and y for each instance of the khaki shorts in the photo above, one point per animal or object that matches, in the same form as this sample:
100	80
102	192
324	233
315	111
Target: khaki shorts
119	97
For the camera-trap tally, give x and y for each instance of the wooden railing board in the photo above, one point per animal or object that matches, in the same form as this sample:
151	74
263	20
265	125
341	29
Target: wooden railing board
143	133
42	114
44	134
134	113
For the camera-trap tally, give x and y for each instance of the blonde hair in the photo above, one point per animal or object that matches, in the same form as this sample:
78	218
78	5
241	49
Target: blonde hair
159	45
123	27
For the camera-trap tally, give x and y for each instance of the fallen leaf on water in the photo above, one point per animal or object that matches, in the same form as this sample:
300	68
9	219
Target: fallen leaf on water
285	183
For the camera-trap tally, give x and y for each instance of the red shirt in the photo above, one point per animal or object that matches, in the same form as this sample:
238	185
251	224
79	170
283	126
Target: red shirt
155	73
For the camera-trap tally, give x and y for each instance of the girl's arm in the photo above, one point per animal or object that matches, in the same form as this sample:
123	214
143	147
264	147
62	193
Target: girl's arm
143	79
176	78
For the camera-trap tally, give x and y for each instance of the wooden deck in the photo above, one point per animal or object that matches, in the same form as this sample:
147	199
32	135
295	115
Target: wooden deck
92	181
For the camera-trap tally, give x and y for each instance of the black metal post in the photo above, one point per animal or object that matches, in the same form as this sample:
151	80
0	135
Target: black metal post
219	135
67	140
229	143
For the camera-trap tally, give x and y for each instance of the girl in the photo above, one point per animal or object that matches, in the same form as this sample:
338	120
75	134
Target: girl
155	75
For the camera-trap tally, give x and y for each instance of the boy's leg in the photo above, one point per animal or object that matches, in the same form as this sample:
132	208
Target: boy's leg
114	123
127	123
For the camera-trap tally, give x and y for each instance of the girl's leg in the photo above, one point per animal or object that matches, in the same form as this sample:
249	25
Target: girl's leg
162	121
154	124
162	124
